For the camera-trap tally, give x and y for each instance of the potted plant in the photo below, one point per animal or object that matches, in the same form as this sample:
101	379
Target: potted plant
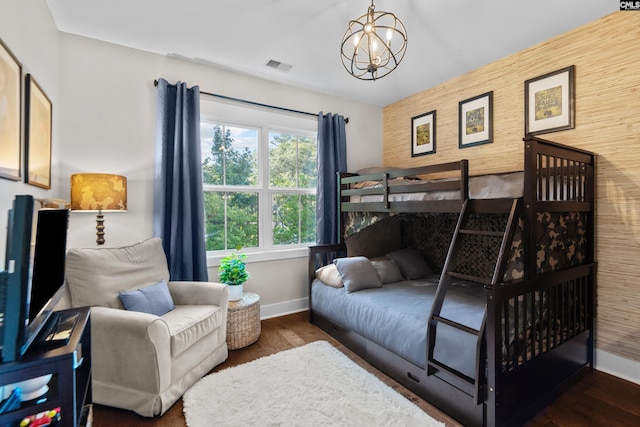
233	272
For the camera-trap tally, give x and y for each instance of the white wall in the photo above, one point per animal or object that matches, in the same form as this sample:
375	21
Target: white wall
107	124
27	29
104	121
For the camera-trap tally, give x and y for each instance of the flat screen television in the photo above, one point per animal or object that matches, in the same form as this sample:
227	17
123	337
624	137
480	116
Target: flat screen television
34	272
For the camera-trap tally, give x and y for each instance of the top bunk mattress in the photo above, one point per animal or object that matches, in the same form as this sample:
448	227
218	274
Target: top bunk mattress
493	186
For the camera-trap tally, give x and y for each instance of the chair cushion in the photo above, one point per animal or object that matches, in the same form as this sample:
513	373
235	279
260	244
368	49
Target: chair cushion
96	276
189	323
154	299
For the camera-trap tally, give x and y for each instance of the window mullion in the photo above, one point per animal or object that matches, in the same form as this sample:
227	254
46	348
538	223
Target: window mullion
265	235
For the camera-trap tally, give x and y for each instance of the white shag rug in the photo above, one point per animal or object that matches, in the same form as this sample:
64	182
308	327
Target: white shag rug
312	385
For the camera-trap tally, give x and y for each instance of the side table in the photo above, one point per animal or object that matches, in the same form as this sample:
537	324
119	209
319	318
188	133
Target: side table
243	321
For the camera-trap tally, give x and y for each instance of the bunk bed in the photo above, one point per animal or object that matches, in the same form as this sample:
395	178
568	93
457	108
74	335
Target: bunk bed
506	320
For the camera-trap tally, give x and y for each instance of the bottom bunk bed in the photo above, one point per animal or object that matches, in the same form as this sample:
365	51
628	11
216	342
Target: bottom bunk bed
490	333
542	339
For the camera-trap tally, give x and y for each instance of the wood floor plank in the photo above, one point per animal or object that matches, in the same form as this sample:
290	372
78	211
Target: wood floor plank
598	399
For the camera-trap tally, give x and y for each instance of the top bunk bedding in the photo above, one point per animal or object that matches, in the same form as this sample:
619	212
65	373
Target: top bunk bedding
496	186
552	174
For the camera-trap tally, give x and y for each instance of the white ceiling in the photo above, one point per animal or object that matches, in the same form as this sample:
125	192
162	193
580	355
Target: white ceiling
446	38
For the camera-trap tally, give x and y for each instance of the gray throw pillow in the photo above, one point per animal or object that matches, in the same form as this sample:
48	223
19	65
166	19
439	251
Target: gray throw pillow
357	273
387	270
412	264
153	299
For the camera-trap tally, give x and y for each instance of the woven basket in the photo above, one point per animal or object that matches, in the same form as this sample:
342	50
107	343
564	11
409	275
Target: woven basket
243	321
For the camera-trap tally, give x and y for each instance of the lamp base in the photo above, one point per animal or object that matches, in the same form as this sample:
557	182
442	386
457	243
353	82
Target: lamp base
100	228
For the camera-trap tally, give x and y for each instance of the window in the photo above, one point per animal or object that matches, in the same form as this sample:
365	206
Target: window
292	184
259	183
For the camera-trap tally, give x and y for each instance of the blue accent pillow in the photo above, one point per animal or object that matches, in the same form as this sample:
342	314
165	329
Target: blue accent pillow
153	299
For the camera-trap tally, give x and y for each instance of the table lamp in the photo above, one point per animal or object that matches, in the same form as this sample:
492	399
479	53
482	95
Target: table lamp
98	192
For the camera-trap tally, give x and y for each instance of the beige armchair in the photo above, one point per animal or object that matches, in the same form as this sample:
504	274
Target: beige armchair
141	361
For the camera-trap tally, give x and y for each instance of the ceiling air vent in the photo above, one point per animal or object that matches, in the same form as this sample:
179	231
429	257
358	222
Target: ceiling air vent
279	65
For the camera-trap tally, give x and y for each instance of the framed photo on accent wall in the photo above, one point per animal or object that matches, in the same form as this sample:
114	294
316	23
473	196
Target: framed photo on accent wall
475	120
423	134
10	114
38	110
549	102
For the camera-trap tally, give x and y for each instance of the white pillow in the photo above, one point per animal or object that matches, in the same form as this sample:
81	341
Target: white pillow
330	276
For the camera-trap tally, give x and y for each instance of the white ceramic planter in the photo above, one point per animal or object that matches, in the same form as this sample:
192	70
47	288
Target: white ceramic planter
235	292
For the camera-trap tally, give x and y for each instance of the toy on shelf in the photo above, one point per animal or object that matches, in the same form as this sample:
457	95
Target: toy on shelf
47	418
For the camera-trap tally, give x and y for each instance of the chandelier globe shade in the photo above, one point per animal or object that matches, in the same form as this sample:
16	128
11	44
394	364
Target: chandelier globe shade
373	45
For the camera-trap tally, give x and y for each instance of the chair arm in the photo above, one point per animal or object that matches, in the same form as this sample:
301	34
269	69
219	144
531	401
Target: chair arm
199	293
130	349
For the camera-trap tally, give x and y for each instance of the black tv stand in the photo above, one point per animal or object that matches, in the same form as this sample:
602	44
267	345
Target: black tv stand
56	331
70	366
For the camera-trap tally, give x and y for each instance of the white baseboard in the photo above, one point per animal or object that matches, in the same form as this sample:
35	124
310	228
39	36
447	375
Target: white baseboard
281	308
620	367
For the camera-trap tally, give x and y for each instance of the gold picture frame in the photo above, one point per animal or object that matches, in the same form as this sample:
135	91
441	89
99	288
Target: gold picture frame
475	119
549	104
423	134
39	115
10	115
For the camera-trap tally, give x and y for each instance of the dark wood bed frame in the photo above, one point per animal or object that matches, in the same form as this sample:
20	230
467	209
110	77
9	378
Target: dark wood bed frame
554	356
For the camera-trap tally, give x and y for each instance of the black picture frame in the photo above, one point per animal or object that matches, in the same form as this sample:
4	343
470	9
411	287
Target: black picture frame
38	133
549	102
423	134
10	115
475	120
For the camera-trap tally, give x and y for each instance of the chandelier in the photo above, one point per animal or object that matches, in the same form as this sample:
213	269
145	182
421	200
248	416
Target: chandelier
373	45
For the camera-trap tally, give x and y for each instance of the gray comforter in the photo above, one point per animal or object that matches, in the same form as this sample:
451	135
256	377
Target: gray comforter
395	316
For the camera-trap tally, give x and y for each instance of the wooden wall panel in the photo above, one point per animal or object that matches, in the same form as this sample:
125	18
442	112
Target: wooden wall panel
606	55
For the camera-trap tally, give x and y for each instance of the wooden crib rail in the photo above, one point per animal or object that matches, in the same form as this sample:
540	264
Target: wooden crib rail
539	332
557	177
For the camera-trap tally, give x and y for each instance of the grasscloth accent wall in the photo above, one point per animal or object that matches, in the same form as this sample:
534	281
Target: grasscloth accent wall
606	54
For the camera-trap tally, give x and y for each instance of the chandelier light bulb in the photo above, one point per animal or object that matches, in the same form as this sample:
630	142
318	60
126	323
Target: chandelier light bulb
372	56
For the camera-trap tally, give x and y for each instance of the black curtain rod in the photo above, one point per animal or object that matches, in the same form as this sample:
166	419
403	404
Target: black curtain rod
257	104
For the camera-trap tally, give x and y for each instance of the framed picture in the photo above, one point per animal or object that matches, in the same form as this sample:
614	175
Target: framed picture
475	120
38	112
423	134
10	114
549	102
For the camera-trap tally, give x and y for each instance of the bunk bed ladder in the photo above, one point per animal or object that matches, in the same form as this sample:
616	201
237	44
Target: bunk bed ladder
471	386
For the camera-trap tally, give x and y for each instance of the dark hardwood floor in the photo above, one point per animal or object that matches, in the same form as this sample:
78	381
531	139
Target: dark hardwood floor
598	399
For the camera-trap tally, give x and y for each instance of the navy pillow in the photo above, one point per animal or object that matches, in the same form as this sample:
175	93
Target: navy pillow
153	299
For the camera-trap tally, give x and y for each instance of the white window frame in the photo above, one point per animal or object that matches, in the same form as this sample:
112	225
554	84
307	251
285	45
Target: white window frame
234	115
